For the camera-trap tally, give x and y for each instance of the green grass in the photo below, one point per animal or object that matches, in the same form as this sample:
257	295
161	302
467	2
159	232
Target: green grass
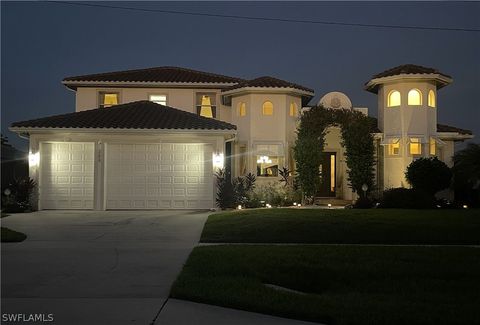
9	235
345	284
373	226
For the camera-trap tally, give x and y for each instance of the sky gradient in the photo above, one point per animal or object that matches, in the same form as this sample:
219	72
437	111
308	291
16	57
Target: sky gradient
44	42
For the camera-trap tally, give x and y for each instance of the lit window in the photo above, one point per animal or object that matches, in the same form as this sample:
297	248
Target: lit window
159	99
431	98
206	105
415	146
414	97
267	166
393	149
108	99
242	109
293	109
394	98
432	146
267	108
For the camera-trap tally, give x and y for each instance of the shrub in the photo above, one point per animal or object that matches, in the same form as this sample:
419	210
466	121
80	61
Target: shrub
20	197
273	193
429	175
466	175
405	198
363	202
225	194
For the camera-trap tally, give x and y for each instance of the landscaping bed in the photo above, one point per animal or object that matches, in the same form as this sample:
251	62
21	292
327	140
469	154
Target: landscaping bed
9	235
342	284
340	226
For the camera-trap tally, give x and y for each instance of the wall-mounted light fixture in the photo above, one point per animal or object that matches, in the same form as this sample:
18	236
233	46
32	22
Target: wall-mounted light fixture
218	160
33	159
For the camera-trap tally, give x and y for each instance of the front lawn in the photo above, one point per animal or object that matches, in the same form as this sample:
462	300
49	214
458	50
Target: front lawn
9	235
373	226
344	284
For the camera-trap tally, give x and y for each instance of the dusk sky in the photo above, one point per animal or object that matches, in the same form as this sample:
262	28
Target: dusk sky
44	42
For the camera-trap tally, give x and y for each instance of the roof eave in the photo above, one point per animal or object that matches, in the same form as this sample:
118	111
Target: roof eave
75	84
268	89
441	80
29	130
455	136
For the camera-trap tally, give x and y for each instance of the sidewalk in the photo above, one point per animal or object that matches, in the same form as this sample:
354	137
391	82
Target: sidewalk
181	312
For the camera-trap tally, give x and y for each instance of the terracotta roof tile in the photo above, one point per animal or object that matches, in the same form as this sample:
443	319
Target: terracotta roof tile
408	69
135	115
268	82
157	74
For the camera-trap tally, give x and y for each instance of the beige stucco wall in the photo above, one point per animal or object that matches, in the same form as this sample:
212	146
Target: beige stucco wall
181	98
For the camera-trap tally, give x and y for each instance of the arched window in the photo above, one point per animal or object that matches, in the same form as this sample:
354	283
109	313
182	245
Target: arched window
414	97
393	99
431	99
293	109
242	109
267	108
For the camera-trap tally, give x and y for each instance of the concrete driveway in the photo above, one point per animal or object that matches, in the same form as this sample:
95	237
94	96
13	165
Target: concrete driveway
102	267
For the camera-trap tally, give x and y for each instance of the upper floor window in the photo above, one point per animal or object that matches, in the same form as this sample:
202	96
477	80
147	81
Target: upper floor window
107	99
433	146
393	98
414	97
242	109
415	146
267	108
431	98
293	109
206	105
393	148
159	99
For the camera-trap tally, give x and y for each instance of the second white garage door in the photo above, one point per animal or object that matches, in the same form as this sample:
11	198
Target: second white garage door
159	176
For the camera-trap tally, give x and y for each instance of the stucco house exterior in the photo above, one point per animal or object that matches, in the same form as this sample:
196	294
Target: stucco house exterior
153	138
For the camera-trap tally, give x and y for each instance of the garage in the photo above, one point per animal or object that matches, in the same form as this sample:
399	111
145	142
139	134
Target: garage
66	175
159	176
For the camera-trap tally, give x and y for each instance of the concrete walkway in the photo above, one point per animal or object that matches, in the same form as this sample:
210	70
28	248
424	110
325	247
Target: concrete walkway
95	267
180	312
314	244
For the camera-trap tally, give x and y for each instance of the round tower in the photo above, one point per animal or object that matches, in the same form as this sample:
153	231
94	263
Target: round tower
407	116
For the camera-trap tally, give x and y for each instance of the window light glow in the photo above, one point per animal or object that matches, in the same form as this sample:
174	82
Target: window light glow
394	99
159	99
206	108
264	160
293	109
332	173
432	147
414	97
415	146
242	109
431	99
393	149
267	108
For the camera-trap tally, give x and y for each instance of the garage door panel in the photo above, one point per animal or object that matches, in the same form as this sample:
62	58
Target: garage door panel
66	175
159	176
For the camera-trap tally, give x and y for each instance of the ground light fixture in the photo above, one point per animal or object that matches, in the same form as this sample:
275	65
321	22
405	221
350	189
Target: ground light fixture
239	207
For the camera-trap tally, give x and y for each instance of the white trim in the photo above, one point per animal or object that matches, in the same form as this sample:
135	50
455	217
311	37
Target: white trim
441	79
146	83
117	130
267	90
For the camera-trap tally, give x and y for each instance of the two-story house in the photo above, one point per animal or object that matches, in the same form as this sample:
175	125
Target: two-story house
153	138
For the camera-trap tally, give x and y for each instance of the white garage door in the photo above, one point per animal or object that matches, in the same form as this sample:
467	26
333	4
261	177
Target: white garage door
66	175
159	176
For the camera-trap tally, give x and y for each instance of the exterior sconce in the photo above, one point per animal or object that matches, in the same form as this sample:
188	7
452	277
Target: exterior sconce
33	159
217	160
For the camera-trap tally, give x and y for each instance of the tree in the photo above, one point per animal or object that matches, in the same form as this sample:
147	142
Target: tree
429	175
466	173
225	191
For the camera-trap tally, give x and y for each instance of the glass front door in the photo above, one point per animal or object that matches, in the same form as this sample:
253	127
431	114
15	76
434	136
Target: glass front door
328	174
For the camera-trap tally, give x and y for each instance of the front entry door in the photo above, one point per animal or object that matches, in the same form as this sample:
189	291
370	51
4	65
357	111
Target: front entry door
328	175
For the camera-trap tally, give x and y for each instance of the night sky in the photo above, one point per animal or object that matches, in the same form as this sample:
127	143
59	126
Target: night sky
44	42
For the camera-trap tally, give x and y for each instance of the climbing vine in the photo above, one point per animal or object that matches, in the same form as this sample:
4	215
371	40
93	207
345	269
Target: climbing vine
357	139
